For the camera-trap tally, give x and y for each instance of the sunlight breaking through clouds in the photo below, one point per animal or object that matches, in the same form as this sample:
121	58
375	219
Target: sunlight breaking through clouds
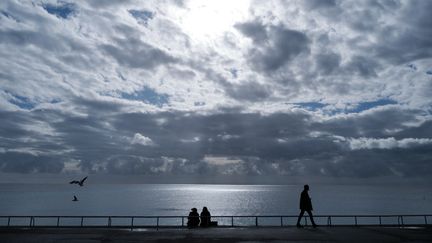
239	88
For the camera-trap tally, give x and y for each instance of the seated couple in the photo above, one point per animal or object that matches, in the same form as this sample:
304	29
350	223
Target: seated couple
203	220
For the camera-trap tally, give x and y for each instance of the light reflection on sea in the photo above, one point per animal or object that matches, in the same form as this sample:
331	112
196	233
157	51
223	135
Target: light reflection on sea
177	199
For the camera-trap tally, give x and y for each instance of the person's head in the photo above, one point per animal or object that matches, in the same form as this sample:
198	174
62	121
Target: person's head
306	187
194	209
205	209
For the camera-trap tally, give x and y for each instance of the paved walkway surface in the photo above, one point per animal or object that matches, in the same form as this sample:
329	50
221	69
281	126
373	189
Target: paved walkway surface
244	235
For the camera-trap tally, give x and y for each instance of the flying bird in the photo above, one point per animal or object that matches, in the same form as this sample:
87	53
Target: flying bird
80	183
75	199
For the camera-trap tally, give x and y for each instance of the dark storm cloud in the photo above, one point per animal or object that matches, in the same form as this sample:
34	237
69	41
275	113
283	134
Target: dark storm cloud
134	53
245	91
11	122
407	40
365	67
248	91
24	37
26	149
255	30
370	163
412	42
327	63
108	3
219	134
274	46
28	163
49	42
293	143
424	130
313	4
376	123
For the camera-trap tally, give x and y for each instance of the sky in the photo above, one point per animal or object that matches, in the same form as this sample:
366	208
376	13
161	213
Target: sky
216	89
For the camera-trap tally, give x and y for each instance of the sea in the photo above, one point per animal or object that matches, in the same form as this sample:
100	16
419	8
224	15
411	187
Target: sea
221	200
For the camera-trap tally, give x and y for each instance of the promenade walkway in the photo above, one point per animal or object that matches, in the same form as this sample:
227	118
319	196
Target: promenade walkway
260	234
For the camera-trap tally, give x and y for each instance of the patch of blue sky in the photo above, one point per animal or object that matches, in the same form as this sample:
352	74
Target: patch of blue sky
362	106
8	15
312	106
357	108
61	9
148	96
22	102
55	101
143	16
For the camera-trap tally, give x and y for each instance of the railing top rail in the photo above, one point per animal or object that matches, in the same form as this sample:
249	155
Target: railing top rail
107	220
217	216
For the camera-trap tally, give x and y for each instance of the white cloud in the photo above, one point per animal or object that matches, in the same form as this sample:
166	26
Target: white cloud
218	160
227	136
386	143
190	140
96	51
142	140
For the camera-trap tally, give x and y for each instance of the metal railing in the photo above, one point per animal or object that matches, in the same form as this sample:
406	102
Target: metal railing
223	221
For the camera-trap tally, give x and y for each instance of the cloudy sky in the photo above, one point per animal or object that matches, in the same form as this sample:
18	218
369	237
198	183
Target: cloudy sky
316	88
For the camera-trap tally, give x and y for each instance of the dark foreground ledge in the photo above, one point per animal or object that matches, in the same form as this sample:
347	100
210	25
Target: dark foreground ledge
268	234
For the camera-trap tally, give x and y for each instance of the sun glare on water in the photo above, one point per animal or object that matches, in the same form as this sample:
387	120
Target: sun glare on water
211	19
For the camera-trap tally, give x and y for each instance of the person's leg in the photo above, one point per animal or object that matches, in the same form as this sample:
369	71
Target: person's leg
311	217
300	217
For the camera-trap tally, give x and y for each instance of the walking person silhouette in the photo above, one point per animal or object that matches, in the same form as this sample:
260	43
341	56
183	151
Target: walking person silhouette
305	205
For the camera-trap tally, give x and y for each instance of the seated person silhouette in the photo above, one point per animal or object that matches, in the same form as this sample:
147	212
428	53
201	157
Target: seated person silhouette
193	219
205	217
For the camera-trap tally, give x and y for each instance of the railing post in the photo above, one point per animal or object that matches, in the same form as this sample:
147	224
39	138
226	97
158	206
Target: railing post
31	221
355	218
232	221
329	223
157	223
109	221
58	221
402	220
380	223
9	221
425	218
182	221
82	221
132	223
256	221
281	221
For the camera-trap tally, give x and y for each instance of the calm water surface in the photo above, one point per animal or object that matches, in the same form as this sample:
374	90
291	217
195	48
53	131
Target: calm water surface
168	199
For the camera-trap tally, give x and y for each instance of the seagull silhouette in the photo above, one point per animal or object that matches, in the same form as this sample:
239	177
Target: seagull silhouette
75	199
80	183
